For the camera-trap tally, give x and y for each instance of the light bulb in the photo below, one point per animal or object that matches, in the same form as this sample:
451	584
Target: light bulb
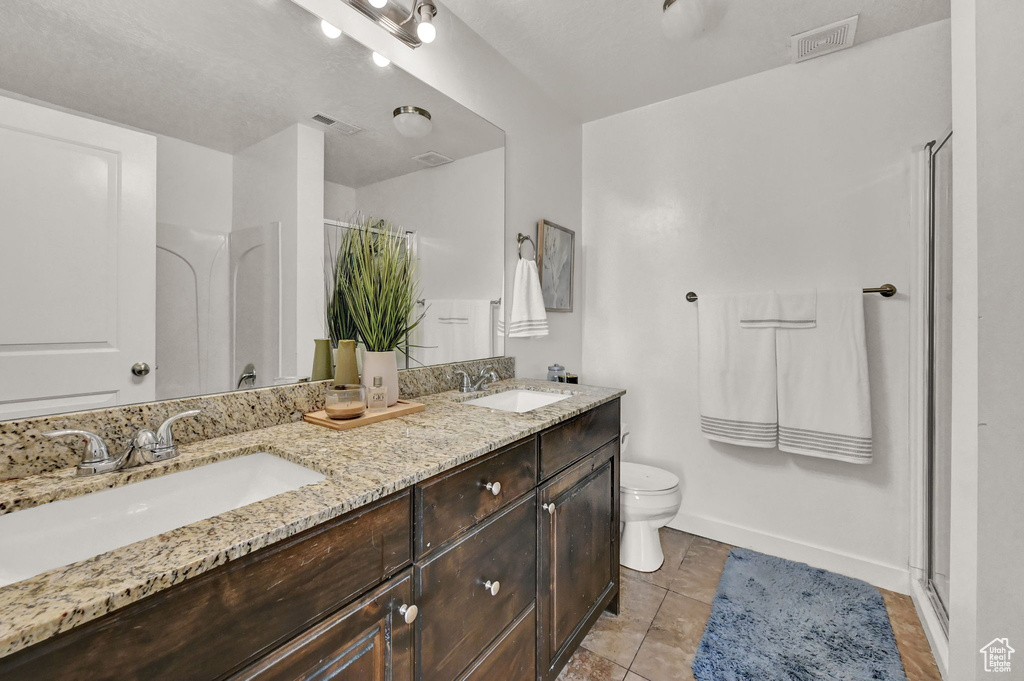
380	60
330	30
425	29
379	4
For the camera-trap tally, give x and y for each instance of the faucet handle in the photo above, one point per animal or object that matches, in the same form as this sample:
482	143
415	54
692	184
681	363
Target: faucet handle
97	449
467	382
164	436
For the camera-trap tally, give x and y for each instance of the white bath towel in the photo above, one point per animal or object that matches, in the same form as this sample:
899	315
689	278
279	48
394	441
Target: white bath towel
453	330
779	310
528	317
824	400
737	376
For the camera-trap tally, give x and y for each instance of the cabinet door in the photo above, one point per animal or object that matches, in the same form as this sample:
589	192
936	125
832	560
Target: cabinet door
578	556
366	641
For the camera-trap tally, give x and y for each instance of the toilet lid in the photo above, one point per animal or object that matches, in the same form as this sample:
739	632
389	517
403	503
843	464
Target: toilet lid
637	477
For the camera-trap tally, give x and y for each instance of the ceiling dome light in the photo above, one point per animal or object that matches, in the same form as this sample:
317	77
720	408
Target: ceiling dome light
330	30
379	4
683	19
412	121
380	60
425	29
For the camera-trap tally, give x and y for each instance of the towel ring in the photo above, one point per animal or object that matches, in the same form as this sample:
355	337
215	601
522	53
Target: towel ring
521	238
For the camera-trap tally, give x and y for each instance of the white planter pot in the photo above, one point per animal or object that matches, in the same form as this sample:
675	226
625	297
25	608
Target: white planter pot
385	365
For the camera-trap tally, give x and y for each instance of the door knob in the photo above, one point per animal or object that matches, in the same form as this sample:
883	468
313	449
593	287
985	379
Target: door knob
492	587
409	612
140	369
550	508
493	487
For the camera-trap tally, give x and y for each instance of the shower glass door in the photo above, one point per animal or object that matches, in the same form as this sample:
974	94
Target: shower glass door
940	385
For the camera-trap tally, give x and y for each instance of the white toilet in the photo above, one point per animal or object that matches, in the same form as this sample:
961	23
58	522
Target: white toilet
649	497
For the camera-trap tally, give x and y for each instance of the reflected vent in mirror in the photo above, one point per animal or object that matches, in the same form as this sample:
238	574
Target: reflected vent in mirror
334	124
432	158
824	40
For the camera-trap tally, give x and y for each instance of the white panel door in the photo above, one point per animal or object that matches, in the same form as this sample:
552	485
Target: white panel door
77	261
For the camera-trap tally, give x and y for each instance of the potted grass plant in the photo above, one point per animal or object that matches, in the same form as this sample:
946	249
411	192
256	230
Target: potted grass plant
380	289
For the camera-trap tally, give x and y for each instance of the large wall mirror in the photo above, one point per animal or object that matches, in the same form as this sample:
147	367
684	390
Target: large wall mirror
172	177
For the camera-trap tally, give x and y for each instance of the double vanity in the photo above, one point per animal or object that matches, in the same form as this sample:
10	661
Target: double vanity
476	538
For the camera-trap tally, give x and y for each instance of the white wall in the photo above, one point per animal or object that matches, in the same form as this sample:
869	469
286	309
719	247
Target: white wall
457	211
194	187
280	179
987	592
797	176
339	201
542	150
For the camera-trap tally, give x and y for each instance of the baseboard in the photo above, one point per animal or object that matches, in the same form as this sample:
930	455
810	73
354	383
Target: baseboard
883	576
932	628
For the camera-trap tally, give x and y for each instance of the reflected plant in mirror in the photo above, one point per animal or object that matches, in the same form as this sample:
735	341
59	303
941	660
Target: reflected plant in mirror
168	183
380	289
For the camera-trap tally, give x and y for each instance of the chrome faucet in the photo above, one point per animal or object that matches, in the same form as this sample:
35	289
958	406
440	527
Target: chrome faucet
482	382
145	447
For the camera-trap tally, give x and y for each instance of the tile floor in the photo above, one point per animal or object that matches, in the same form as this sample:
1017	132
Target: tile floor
663	613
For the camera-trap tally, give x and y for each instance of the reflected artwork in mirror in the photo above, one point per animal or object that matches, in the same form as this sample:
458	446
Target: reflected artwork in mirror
174	181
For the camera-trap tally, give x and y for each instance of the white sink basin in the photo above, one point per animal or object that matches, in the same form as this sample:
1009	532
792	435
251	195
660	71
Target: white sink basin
517	400
63	532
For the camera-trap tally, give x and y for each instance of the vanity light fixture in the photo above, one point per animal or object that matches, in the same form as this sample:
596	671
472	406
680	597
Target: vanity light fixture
380	60
426	29
683	19
412	121
413	26
330	30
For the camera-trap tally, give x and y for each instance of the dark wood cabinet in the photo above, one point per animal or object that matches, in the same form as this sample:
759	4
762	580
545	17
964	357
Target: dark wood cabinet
470	591
577	555
369	640
506	584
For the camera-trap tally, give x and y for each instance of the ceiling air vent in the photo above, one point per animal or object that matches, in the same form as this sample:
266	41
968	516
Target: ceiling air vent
432	158
334	124
824	40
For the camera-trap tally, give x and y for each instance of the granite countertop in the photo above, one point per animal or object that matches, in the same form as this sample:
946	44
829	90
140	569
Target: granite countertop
362	465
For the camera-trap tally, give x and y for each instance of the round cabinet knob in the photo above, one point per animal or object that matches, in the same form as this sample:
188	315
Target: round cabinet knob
493	487
140	369
409	612
492	587
550	508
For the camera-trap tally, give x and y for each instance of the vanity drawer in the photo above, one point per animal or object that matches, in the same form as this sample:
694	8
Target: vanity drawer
458	499
211	625
459	617
513	657
571	441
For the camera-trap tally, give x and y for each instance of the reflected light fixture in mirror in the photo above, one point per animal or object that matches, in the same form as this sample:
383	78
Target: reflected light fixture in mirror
412	121
330	30
411	23
683	19
380	60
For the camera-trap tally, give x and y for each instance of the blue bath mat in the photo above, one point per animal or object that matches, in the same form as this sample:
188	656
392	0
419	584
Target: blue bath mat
776	620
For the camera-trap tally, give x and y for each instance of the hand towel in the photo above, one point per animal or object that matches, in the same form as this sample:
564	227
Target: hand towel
737	375
824	398
528	317
779	310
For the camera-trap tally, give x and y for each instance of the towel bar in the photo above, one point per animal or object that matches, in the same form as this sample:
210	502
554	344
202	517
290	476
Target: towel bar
886	291
523	237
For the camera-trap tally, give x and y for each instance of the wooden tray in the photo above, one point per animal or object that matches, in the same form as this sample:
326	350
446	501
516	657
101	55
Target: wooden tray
401	408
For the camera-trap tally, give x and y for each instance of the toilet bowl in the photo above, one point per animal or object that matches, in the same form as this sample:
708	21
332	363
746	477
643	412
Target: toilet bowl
649	497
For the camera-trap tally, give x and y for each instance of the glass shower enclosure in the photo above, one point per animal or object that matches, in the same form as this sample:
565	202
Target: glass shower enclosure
940	371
